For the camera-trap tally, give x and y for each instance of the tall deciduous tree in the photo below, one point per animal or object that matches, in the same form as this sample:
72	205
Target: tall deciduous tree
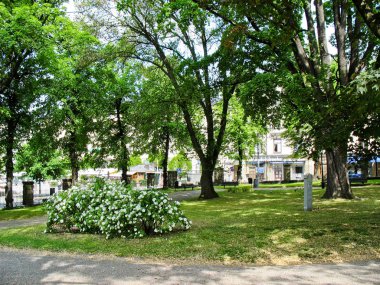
115	117
26	55
75	94
158	123
242	135
185	43
314	88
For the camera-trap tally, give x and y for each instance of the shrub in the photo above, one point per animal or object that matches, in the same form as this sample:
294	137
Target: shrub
239	189
114	210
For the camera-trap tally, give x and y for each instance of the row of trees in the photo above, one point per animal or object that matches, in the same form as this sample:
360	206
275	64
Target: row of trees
204	77
68	99
302	65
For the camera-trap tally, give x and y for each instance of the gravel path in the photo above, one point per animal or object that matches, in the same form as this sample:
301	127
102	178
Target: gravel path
22	222
31	267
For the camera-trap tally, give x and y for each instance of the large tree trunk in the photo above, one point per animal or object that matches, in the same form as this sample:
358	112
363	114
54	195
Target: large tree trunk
166	159
124	159
74	172
11	128
124	174
207	185
338	185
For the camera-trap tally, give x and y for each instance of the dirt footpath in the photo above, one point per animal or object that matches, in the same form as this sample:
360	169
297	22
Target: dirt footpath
32	267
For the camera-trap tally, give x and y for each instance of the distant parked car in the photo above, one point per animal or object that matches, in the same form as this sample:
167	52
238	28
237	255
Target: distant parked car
356	177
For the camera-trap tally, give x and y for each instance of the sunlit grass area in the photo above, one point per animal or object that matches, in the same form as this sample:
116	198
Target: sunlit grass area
260	227
21	213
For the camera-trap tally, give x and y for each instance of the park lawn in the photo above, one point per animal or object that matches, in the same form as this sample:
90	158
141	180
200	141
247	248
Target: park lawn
260	227
22	213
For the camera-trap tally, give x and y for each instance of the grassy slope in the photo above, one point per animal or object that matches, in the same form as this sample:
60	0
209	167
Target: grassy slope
259	227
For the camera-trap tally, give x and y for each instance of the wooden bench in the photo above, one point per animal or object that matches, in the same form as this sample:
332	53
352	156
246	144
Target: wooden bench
187	185
230	183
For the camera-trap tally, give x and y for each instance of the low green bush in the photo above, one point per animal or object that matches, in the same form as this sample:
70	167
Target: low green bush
239	189
114	210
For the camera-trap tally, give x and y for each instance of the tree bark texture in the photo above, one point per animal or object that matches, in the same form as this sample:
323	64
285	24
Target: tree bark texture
9	166
338	185
124	157
207	185
124	171
166	158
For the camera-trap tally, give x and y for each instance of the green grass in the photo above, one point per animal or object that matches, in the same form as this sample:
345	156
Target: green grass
373	181
271	185
261	227
21	213
285	185
180	189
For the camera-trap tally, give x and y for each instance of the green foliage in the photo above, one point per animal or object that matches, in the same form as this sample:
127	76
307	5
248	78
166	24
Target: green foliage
239	189
297	79
27	58
71	110
115	115
114	210
364	91
260	97
180	161
40	164
152	126
242	134
135	160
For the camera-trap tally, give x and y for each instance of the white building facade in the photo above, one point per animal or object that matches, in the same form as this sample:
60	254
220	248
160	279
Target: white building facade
274	161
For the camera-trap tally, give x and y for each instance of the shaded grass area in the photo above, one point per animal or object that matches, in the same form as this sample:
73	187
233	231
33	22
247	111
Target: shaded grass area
21	213
373	182
180	189
260	227
285	185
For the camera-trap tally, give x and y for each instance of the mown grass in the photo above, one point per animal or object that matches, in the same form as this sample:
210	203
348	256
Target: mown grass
271	185
285	185
260	227
21	213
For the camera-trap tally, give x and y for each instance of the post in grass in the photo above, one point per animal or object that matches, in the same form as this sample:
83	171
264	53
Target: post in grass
308	195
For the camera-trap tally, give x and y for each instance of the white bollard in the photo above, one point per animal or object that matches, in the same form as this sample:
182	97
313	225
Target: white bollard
308	195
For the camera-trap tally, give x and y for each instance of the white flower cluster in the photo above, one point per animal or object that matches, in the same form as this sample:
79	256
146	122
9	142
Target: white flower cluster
115	210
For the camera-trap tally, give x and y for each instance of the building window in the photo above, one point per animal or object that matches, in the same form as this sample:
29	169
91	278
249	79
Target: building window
277	148
299	169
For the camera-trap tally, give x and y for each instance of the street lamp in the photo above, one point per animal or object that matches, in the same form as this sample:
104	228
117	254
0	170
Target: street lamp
323	181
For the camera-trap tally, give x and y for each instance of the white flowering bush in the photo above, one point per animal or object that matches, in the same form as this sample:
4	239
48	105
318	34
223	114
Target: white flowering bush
114	210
